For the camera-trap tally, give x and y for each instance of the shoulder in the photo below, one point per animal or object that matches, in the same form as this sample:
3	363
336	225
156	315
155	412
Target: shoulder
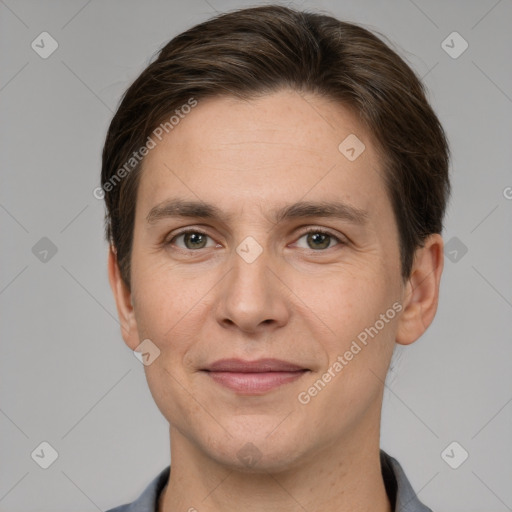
398	487
147	501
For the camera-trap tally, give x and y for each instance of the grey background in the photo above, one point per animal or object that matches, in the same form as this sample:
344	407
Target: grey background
66	375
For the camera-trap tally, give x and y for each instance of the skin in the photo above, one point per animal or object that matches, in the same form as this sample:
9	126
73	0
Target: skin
303	305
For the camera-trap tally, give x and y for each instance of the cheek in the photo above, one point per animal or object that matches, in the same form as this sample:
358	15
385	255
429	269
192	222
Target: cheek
351	305
161	295
168	312
345	301
171	309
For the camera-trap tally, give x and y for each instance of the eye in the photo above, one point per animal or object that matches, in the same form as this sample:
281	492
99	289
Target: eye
191	240
317	239
314	239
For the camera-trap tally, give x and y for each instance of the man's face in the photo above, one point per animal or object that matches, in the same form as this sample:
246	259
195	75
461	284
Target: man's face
249	282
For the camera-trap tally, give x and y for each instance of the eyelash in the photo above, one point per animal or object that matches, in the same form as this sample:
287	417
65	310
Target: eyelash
314	230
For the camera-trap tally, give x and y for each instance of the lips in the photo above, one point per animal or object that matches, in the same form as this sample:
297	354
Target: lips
261	365
254	377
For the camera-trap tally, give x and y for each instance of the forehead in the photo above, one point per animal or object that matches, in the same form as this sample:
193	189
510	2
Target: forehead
277	148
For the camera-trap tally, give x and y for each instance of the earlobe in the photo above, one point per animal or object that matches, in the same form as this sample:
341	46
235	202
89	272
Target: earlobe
124	303
421	293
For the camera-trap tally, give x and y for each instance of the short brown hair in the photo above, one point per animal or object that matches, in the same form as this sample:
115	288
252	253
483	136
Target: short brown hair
260	50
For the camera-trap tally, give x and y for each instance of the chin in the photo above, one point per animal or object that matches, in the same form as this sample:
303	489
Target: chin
253	453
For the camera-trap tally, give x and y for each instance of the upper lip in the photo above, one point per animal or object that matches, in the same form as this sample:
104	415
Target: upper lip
258	366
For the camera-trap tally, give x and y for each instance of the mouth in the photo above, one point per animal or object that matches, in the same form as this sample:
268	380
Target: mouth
254	377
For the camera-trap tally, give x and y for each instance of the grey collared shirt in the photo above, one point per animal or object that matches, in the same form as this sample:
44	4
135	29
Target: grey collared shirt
398	488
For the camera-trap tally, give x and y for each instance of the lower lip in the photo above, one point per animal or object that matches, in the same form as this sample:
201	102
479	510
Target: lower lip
254	383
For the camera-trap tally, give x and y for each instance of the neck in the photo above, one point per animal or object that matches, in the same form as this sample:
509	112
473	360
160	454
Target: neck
337	479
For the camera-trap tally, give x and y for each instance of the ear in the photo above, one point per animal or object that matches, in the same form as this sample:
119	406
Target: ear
421	291
123	298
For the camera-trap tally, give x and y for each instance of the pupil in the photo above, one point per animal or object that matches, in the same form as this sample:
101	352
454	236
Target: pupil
194	239
320	241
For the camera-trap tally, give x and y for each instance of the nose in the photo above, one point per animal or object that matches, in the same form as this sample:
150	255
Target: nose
252	298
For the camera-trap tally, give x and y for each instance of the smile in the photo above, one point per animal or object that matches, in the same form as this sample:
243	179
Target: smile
254	383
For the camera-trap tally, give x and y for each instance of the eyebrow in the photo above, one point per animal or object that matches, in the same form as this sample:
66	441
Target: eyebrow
302	209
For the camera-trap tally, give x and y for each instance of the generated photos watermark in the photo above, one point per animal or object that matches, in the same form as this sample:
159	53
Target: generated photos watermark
156	136
343	360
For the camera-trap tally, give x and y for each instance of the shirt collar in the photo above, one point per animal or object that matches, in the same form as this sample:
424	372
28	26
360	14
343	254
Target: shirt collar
399	490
